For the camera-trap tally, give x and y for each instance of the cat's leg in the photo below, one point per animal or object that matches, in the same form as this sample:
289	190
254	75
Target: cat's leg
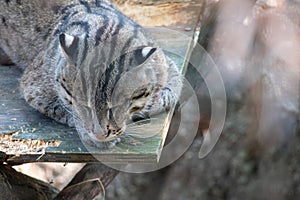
166	98
38	89
170	93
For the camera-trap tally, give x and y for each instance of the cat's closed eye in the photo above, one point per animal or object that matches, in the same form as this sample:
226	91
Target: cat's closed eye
136	109
109	114
141	95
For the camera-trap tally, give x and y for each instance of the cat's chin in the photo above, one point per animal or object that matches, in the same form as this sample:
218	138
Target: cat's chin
92	141
102	144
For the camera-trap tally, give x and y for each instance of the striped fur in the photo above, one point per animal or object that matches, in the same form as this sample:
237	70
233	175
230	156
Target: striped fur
98	69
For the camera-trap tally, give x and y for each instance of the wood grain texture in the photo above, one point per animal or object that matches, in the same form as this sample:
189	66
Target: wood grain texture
28	136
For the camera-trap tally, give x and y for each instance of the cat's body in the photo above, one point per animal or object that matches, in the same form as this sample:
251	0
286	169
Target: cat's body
85	62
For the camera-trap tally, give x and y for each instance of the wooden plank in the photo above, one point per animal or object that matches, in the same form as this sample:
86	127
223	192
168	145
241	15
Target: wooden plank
28	136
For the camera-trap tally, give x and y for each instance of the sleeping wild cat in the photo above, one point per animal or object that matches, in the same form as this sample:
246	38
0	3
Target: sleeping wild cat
86	63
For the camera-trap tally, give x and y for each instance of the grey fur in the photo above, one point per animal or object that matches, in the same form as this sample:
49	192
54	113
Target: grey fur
87	63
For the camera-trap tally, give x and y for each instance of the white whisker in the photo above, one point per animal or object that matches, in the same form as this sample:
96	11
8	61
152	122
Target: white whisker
145	130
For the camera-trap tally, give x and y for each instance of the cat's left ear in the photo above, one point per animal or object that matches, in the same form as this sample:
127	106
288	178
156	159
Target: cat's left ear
70	46
142	54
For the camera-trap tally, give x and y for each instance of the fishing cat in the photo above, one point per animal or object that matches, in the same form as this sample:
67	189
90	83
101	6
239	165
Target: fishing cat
86	63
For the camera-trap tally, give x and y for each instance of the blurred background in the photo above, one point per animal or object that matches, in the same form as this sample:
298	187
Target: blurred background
256	47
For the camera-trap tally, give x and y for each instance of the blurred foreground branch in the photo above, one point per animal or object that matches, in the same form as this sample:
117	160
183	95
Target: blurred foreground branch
89	183
15	185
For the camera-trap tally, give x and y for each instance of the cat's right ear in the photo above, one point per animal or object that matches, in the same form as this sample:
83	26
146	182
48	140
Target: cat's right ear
70	46
142	54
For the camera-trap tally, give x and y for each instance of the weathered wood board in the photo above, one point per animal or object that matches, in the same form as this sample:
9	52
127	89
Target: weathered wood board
28	136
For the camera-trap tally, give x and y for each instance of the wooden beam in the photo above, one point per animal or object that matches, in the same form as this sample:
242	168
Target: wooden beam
28	136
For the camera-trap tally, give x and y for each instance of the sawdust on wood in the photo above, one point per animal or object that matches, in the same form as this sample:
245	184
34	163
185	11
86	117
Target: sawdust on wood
15	146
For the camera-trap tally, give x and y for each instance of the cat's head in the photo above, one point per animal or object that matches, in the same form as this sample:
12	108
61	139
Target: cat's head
113	89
